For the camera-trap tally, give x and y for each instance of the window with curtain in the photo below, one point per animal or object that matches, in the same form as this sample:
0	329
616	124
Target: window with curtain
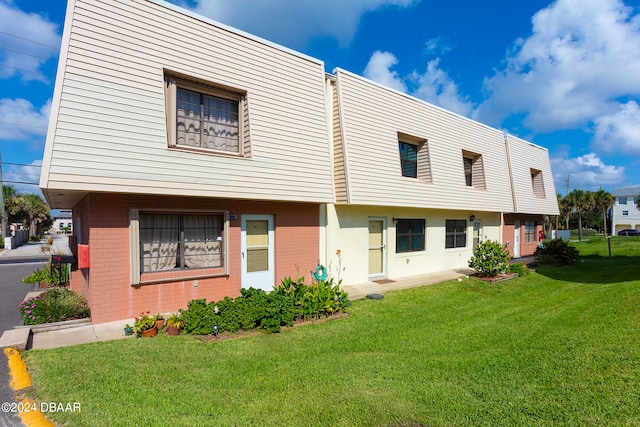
180	241
206	117
456	233
410	235
529	231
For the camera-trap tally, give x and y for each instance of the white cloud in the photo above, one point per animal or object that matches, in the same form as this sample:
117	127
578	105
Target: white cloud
437	87
19	120
581	57
434	85
294	22
588	172
619	131
378	69
28	40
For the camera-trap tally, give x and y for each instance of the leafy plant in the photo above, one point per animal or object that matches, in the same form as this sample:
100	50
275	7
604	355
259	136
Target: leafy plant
44	276
556	252
143	322
54	305
175	320
520	268
489	259
198	317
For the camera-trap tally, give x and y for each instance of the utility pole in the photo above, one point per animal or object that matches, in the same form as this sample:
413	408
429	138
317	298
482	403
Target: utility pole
3	214
568	184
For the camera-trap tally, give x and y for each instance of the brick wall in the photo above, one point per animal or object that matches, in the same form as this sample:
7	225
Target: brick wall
526	248
106	284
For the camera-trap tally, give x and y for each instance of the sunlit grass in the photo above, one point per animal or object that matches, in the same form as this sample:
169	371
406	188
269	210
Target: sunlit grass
557	347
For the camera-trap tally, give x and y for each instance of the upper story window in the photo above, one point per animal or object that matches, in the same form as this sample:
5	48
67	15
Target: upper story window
414	157
625	213
203	117
473	170
537	184
408	159
622	200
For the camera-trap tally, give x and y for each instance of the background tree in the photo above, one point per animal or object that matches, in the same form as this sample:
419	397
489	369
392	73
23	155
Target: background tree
581	201
565	210
603	201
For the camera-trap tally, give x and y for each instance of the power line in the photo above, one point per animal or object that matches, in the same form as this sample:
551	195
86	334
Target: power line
21	182
31	41
25	53
24	70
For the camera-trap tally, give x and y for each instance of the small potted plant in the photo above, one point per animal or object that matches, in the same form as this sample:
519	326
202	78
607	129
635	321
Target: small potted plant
128	329
145	325
159	320
174	324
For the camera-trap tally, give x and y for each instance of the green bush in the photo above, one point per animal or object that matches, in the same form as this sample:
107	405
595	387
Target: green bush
43	275
268	312
198	317
489	259
35	238
54	305
556	252
520	268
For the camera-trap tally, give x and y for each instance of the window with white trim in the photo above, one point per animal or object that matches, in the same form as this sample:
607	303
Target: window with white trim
625	213
204	117
622	200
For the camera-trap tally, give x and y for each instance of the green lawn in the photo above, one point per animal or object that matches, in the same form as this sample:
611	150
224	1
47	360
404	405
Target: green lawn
557	347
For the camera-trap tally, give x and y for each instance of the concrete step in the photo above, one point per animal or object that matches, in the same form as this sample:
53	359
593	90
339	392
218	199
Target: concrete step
17	338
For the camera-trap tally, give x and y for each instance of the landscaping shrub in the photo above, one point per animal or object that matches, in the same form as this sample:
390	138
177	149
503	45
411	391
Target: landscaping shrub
556	252
54	305
520	268
489	259
198	317
268	312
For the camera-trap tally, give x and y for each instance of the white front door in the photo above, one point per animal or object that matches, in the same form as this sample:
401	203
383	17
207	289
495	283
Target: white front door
258	258
377	245
516	238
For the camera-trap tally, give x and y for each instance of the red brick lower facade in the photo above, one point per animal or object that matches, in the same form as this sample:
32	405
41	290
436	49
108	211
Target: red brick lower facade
528	241
104	219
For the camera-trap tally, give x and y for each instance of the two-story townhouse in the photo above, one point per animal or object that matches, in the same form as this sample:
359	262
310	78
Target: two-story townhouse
418	187
198	159
194	156
625	213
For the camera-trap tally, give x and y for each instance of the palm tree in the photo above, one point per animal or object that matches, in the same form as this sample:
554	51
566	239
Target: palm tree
603	201
581	201
32	210
565	209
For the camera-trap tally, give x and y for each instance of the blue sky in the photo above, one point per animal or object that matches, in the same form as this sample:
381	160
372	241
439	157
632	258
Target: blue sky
563	74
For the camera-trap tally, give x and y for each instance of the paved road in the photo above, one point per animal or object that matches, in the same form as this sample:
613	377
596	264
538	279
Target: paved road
12	292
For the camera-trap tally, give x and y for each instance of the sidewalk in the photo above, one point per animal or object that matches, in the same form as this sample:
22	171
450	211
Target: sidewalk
33	250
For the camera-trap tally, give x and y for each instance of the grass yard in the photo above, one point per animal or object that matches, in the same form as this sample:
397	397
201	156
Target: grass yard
557	347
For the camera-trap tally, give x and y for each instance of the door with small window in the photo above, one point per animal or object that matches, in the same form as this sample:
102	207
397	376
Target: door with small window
257	247
477	233
516	239
377	245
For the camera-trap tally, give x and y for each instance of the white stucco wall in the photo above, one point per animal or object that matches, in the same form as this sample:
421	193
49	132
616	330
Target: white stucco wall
347	230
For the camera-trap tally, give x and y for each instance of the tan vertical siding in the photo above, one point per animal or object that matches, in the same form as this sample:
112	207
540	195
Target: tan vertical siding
110	132
372	118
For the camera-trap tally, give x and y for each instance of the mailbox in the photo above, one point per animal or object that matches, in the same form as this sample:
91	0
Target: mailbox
60	266
83	256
